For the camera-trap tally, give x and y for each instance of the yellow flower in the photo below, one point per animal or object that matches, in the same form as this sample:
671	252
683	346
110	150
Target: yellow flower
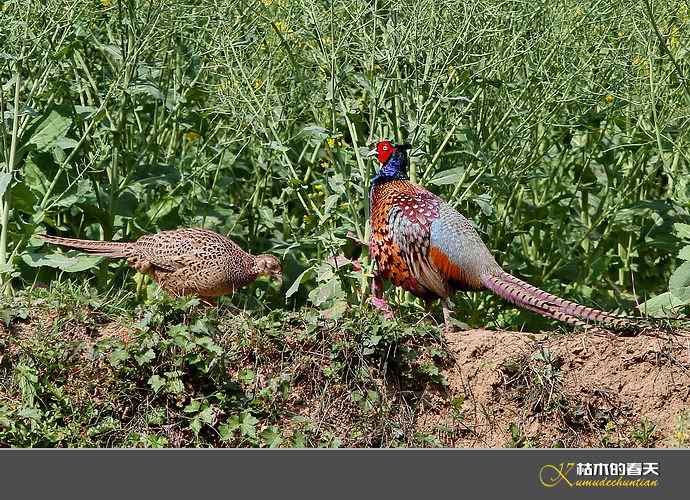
578	11
637	60
191	136
674	38
282	27
609	99
106	3
267	3
258	83
334	142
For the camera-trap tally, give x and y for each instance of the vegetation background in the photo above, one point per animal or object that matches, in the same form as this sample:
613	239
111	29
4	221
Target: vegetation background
559	127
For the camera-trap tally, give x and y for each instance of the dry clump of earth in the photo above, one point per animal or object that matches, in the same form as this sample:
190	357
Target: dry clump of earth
576	390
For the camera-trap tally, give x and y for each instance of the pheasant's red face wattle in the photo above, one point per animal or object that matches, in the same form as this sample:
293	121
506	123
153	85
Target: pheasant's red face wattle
384	150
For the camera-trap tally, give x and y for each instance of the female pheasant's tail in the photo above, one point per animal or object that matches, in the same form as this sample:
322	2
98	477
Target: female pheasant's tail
103	248
532	298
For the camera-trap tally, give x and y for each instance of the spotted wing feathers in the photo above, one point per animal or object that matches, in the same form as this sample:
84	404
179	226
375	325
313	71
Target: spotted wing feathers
440	247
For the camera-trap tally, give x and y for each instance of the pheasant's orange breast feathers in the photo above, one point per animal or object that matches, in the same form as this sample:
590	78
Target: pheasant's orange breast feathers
401	218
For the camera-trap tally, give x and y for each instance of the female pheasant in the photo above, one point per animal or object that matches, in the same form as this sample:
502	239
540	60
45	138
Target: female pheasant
185	261
425	246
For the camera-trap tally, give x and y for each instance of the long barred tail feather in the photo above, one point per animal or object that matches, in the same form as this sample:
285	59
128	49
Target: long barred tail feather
534	299
103	248
567	306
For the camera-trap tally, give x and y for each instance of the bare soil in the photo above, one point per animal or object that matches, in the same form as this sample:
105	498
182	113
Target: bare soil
596	390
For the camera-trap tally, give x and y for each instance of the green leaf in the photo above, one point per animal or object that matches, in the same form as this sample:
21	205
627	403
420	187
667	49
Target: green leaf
336	311
227	430
69	264
484	202
156	382
684	253
246	375
179	335
330	203
175	386
337	183
295	285
248	424
208	344
665	302
5	179
195	425
126	204
315	131
680	277
118	356
66	143
162	208
450	176
267	217
206	415
39	171
326	291
83	194
23	199
682	230
49	130
272	436
30	413
146	357
192	407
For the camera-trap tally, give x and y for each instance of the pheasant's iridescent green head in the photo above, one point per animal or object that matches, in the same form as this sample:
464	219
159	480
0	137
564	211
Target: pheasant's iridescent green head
393	160
268	265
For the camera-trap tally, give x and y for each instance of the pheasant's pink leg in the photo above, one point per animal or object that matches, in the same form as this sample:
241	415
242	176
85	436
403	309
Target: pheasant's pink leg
377	299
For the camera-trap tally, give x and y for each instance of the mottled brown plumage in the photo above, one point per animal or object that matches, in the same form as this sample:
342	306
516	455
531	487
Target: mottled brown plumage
185	261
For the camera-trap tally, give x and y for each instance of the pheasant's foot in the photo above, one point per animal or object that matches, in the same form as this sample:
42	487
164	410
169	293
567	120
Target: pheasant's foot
382	306
448	321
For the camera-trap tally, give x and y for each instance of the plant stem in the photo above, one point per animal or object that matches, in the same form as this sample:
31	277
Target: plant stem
5	285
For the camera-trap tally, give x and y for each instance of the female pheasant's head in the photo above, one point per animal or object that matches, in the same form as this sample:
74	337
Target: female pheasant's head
268	265
393	159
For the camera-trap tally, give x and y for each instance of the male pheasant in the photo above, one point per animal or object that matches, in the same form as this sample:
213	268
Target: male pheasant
425	246
185	261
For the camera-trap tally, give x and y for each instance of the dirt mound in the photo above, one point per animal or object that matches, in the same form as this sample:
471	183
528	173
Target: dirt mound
577	390
74	376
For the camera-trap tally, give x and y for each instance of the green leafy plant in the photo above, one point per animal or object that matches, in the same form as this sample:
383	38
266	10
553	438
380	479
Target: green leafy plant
678	294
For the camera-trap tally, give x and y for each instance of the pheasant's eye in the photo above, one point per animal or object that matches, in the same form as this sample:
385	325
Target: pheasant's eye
385	148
